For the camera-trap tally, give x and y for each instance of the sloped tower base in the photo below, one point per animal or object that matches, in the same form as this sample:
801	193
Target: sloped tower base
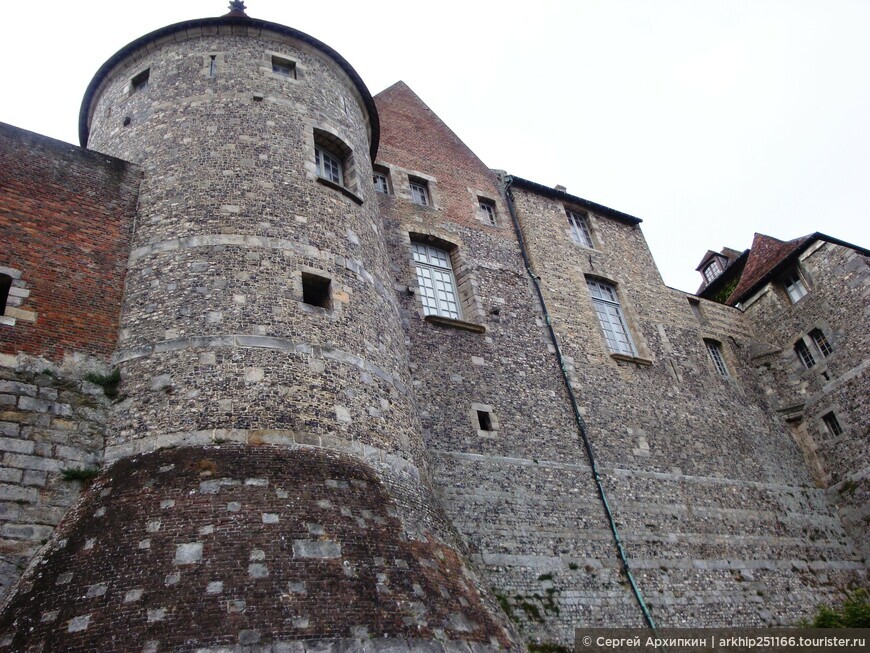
249	548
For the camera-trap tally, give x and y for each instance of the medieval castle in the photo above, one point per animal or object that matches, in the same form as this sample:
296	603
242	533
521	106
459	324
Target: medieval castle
286	367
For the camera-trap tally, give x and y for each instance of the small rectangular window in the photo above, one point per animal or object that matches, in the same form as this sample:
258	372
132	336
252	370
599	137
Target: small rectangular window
609	311
316	290
821	342
804	354
487	211
794	285
328	165
832	424
283	67
579	228
382	185
140	81
436	281
484	420
715	350
419	192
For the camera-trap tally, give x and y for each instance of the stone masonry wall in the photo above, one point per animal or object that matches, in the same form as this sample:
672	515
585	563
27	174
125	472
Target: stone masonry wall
838	281
520	495
711	493
65	221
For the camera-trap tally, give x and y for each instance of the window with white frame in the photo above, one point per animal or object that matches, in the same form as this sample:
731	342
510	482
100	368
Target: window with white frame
821	342
328	165
832	424
804	354
714	348
606	303
381	182
713	270
794	285
579	228
436	281
487	211
419	192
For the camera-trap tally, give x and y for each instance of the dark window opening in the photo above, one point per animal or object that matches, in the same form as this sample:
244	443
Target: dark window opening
212	66
316	290
5	285
284	67
484	420
140	81
832	424
803	354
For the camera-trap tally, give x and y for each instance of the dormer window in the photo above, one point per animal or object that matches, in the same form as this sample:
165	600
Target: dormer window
713	270
794	285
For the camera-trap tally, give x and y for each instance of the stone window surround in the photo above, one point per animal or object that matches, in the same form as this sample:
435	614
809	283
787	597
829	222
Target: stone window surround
479	197
839	415
384	170
714	344
18	294
588	220
644	355
331	140
401	178
132	87
266	67
220	62
475	422
466	284
339	294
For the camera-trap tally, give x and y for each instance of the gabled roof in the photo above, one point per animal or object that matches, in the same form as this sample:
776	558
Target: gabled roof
770	257
710	254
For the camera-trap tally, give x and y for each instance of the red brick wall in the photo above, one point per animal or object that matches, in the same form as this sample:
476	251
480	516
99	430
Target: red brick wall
65	220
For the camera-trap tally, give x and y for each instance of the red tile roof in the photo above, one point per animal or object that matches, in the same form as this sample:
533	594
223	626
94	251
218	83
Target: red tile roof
764	255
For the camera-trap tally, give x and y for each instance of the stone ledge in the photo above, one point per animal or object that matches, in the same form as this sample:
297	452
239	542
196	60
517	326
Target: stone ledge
450	323
344	191
637	360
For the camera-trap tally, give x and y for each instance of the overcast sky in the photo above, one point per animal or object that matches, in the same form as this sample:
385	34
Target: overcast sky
708	119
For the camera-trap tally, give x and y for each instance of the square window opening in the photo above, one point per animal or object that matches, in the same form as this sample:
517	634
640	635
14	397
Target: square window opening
832	424
140	81
484	420
316	290
283	67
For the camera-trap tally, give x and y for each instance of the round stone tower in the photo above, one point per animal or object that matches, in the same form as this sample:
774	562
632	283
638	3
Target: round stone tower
265	478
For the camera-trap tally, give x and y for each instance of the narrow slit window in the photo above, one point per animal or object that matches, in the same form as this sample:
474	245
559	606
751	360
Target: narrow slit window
283	67
5	285
484	420
212	65
140	81
715	350
804	354
832	424
821	342
316	290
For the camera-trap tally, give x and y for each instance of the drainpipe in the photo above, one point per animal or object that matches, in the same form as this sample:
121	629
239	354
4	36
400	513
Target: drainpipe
578	418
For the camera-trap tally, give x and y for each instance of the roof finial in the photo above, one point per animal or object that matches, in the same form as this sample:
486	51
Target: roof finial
237	8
